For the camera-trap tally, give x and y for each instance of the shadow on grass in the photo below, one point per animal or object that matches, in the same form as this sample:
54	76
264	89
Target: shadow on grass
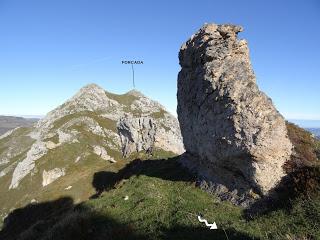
304	181
167	169
61	219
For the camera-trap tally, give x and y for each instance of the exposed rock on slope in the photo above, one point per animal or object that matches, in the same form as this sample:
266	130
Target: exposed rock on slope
24	167
236	136
137	134
84	109
89	132
52	175
101	152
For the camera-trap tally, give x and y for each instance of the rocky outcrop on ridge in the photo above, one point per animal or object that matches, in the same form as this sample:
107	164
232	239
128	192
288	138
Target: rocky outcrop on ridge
127	123
234	136
137	134
94	130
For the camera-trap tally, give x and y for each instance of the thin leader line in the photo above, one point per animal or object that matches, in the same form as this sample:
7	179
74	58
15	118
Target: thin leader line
134	85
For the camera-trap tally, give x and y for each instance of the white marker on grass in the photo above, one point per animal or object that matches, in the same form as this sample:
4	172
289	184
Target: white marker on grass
212	225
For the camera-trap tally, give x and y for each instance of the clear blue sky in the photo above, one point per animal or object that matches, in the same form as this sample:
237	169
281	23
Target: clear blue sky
50	49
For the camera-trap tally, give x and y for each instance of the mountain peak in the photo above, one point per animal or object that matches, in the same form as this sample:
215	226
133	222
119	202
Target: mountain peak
135	93
90	88
90	93
101	120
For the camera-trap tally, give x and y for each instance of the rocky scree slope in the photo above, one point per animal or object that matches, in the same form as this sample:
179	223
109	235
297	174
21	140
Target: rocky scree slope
234	136
93	130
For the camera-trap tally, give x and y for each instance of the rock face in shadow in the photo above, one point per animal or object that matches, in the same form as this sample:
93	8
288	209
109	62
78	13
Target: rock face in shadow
234	136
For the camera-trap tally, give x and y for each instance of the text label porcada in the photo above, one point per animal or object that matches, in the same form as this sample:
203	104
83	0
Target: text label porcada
132	62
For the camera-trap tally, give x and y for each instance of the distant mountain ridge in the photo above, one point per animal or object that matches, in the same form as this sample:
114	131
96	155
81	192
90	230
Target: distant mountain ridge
306	123
314	131
8	123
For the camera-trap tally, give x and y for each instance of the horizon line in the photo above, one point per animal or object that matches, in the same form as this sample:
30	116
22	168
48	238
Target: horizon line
42	115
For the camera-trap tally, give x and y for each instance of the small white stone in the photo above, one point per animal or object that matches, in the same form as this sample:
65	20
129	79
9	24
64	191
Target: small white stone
77	159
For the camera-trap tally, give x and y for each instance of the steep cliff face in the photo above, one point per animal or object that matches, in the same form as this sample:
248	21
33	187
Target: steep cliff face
137	134
93	130
234	135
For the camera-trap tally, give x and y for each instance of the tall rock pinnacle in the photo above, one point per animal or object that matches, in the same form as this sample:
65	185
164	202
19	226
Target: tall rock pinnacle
236	136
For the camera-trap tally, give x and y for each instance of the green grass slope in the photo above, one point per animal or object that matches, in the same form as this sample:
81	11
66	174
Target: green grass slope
156	198
78	175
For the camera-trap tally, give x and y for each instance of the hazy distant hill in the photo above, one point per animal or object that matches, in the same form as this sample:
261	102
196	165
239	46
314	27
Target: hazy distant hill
306	123
8	122
315	131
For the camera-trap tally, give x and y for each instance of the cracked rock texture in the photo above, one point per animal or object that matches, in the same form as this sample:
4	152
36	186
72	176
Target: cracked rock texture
137	134
234	136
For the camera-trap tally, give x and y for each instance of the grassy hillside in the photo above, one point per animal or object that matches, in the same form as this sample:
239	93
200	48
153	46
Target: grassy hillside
156	198
78	175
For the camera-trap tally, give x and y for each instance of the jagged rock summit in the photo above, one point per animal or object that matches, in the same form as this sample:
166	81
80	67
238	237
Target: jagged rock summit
93	130
234	136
